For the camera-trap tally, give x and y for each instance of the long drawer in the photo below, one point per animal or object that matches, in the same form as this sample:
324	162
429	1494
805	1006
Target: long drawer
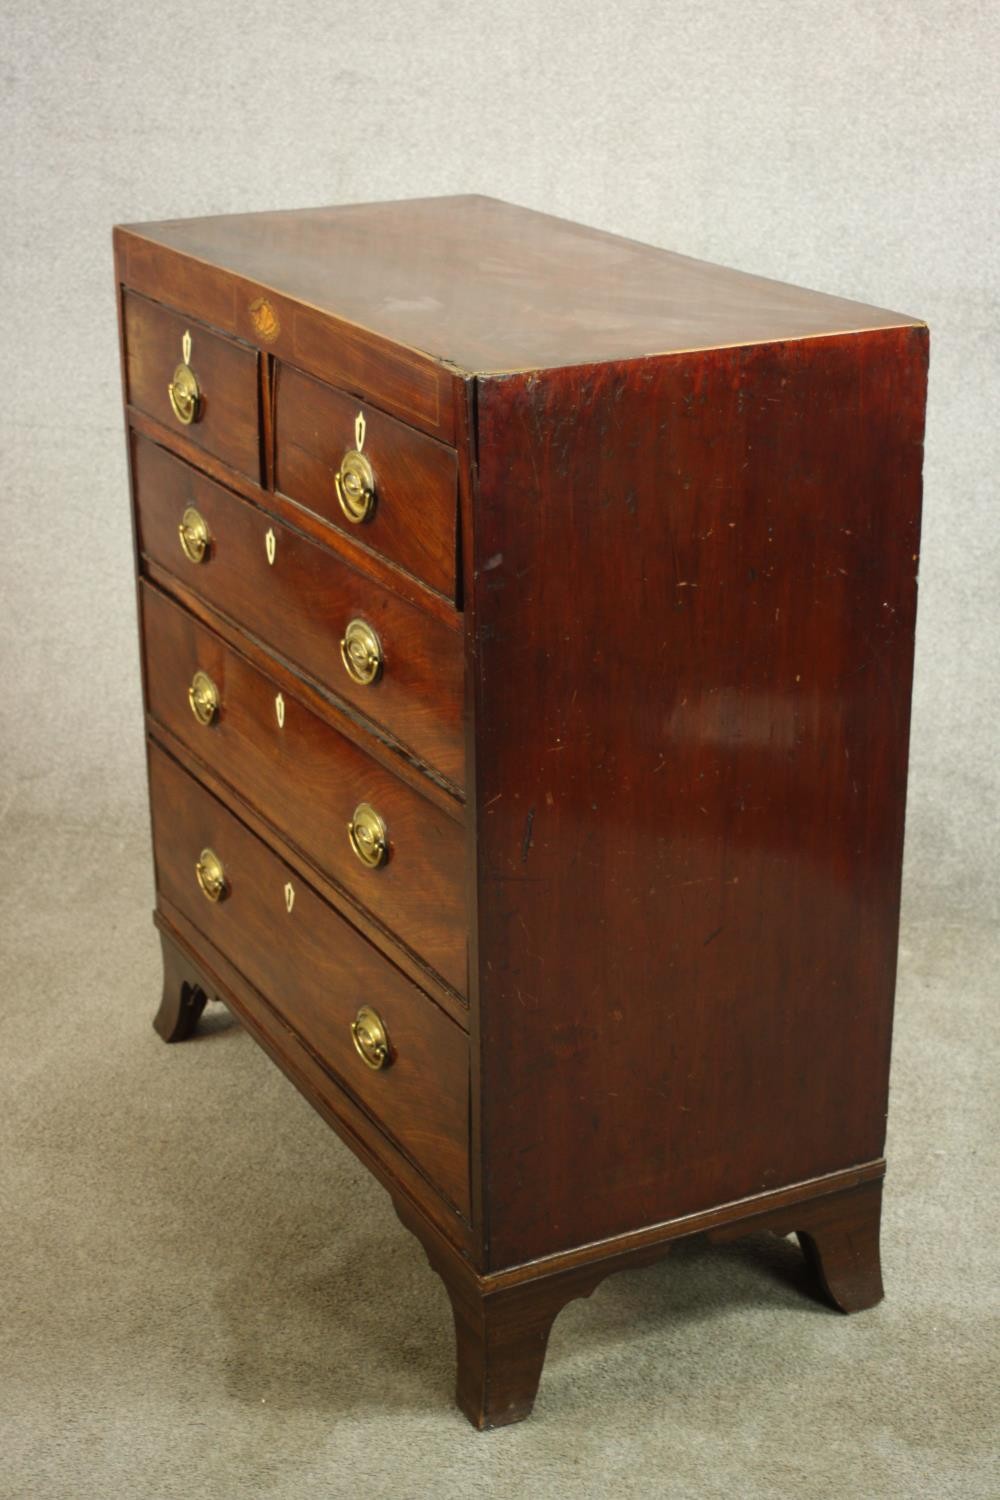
303	601
317	973
309	781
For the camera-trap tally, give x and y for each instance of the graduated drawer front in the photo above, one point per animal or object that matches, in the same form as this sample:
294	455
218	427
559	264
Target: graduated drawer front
413	519
227	422
316	972
307	780
301	603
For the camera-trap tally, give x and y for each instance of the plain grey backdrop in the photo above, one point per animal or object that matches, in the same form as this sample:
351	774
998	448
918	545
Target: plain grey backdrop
848	147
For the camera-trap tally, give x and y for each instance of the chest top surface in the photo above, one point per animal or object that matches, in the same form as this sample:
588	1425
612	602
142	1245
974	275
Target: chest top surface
486	287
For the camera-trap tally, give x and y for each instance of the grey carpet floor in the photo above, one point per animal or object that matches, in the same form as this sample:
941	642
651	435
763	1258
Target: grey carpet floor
204	1295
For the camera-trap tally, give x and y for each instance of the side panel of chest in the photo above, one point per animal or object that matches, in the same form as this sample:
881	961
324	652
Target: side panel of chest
695	587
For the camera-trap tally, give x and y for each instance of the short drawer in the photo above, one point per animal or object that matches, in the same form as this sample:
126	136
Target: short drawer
308	781
317	973
302	600
387	486
195	381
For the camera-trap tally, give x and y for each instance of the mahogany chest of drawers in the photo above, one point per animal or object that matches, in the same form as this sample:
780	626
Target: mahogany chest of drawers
527	625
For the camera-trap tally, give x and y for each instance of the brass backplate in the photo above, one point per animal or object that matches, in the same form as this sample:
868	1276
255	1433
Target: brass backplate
369	836
361	653
355	484
370	1038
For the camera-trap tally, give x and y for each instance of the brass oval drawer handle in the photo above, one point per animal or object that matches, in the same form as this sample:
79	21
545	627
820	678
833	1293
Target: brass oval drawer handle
355	481
211	875
183	390
370	1038
361	653
194	534
185	397
203	696
369	836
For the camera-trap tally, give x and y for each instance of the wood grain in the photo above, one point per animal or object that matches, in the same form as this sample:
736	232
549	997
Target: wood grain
474	284
690	780
385	573
227	425
413	385
416	482
317	972
306	780
503	1322
389	1166
640	740
302	604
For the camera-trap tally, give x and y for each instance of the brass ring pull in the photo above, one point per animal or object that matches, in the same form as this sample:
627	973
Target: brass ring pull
194	535
370	1038
355	484
185	395
203	696
369	836
361	653
211	875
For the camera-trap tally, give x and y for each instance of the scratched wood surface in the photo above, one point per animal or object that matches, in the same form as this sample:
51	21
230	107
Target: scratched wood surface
482	285
306	780
416	479
226	371
316	972
652	682
694	606
302	602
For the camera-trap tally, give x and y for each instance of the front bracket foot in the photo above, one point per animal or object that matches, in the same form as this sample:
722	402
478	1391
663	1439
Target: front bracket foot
184	997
